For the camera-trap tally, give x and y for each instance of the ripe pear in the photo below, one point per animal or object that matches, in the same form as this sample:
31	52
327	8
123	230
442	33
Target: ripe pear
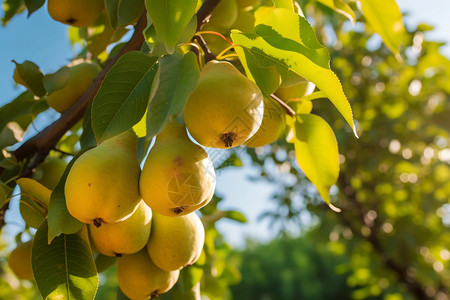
294	86
139	278
125	237
68	84
20	261
224	14
79	13
272	125
50	171
178	176
225	109
103	184
176	242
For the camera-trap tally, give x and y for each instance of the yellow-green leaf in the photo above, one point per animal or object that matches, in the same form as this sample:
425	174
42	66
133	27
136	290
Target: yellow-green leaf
289	42
340	6
317	152
385	18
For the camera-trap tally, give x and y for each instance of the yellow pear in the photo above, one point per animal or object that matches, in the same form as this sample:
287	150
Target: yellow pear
225	109
224	14
139	278
294	86
272	125
79	13
178	176
125	237
20	261
103	184
50	171
176	242
68	84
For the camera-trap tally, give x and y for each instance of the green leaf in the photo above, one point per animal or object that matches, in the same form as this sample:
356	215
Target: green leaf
385	18
129	11
236	216
170	18
317	152
33	5
60	221
64	269
177	77
289	42
112	6
87	138
31	76
104	262
16	108
340	6
5	193
124	94
11	8
57	80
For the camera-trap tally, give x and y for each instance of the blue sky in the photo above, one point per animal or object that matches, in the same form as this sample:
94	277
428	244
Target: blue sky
44	41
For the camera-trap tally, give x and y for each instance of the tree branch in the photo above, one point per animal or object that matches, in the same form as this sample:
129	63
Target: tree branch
46	140
205	12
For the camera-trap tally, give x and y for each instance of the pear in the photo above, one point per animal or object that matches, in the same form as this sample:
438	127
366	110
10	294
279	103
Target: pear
224	14
139	278
294	87
68	84
79	13
50	171
176	242
20	261
225	109
103	184
178	176
125	237
272	125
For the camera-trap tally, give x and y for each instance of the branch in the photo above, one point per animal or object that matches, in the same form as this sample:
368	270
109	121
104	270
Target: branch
286	107
208	54
205	12
46	140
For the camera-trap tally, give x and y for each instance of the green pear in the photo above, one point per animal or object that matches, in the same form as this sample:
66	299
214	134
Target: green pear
178	176
272	125
125	237
79	13
68	84
20	261
245	21
50	171
224	14
225	109
139	278
176	242
103	184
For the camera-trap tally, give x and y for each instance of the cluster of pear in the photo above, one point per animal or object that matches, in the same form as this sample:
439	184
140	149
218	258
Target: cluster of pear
144	218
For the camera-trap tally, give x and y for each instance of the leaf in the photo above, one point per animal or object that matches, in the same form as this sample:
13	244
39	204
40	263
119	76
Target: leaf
317	152
31	76
87	138
33	5
18	107
10	9
236	216
385	18
5	193
60	221
124	94
340	6
129	11
289	42
64	269
177	77
288	4
104	262
112	6
170	18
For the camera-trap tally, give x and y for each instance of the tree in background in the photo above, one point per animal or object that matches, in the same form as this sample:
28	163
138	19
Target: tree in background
164	70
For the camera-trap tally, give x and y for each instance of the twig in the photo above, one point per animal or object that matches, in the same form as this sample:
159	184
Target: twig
208	54
205	12
288	109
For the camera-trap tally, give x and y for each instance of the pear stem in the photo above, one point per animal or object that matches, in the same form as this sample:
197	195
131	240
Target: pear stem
286	107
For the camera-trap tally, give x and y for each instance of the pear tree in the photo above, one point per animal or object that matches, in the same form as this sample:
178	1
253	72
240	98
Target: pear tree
231	73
